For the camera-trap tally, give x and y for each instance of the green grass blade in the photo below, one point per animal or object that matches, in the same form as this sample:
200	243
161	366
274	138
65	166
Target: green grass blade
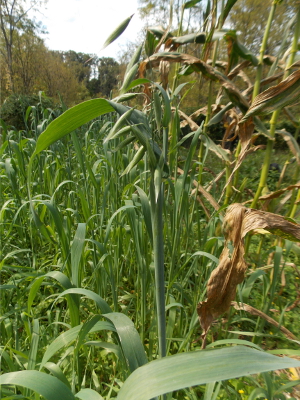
197	368
71	120
34	344
47	386
101	303
88	394
57	372
69	336
76	253
130	341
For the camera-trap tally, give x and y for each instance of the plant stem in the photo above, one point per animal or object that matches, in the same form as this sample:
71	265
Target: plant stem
275	115
158	249
262	52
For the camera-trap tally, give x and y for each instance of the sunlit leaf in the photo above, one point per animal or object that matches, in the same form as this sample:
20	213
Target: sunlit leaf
197	368
45	385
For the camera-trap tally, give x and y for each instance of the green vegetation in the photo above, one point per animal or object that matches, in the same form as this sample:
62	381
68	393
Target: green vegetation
111	217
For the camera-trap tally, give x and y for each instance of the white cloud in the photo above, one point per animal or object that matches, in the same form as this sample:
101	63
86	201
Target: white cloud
84	25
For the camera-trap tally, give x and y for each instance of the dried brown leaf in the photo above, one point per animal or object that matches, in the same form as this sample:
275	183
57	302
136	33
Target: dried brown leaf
186	59
164	68
264	82
254	311
256	219
285	93
278	193
235	71
221	286
188	121
245	132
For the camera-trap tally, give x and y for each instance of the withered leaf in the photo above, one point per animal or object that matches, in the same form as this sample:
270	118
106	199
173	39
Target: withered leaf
285	93
245	132
186	59
221	286
279	192
254	311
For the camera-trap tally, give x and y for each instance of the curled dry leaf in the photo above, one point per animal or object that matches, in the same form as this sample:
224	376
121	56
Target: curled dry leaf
236	70
285	93
245	132
231	120
263	82
279	192
254	311
186	59
221	287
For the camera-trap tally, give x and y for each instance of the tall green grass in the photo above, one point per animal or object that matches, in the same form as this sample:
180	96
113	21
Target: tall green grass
107	247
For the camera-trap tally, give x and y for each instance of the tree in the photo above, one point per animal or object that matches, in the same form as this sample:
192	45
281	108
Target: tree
108	69
35	68
158	12
27	54
13	17
108	76
57	78
83	65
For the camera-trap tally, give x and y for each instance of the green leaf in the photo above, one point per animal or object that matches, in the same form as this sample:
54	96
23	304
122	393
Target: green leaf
65	338
101	303
33	291
130	340
167	106
70	120
88	394
129	77
138	82
199	37
233	341
157	109
178	89
135	58
119	126
136	159
108	227
190	4
61	278
158	31
109	347
45	385
198	368
150	42
227	8
34	344
57	372
117	32
76	253
146	212
217	149
219	116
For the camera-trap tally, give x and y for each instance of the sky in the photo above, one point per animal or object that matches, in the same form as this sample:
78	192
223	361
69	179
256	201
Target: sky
84	25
